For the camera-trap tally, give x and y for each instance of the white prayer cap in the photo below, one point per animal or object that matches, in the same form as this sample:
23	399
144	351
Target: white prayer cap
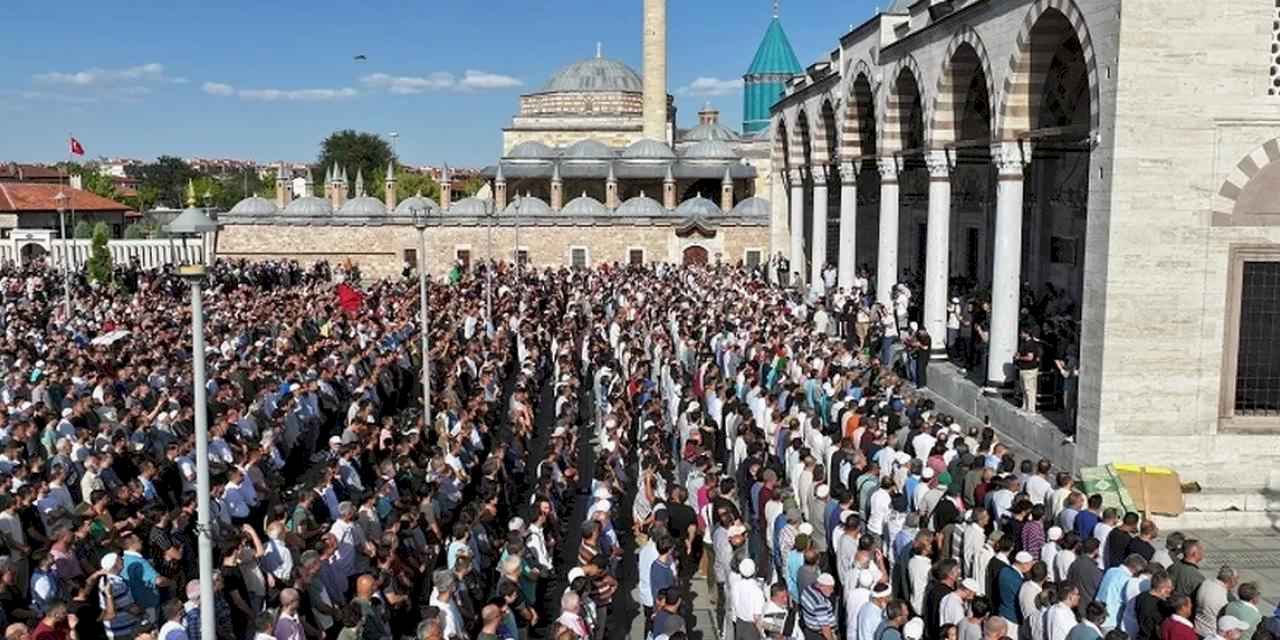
600	505
927	473
576	573
822	491
1231	623
516	524
882	590
109	561
1055	534
806	529
969	584
1023	558
737	530
914	629
747	568
826	580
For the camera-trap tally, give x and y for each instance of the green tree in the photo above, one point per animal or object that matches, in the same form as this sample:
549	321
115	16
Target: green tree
472	185
83	231
357	152
135	232
166	178
408	184
99	256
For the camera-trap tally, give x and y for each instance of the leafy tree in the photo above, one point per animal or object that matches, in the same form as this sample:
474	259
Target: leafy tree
98	183
472	185
135	232
166	178
357	152
83	231
99	257
408	184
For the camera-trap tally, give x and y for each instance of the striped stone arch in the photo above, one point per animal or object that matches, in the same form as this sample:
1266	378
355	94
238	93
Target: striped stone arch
801	137
1020	96
1228	195
891	125
945	127
781	145
823	131
859	111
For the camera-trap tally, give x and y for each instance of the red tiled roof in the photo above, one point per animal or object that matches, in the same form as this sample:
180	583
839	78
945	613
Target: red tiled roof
17	171
24	197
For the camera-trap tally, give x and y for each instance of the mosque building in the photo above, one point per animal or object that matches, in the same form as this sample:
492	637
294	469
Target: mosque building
593	170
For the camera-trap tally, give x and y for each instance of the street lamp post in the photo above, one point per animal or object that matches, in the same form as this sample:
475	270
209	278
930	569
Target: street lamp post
61	200
488	270
516	256
420	222
193	221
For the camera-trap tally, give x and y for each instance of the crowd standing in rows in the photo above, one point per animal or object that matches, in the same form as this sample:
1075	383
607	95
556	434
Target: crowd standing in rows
600	441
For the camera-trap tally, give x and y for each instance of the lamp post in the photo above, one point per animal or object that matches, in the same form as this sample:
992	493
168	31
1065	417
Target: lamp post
420	222
61	200
193	221
492	209
516	256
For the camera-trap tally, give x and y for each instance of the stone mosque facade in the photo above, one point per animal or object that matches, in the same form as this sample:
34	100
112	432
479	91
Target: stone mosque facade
1124	153
593	170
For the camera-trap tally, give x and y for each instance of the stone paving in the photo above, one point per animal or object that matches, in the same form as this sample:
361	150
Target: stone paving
1255	553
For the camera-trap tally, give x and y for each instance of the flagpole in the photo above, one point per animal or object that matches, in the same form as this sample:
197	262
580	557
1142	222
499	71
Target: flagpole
66	259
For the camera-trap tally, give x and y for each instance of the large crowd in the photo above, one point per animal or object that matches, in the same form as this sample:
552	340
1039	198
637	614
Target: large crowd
606	446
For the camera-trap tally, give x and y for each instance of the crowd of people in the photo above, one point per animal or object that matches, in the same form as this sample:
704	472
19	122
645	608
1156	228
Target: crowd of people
605	447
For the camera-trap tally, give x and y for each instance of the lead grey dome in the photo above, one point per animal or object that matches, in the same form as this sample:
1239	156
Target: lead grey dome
714	131
418	202
532	150
648	149
697	206
595	74
709	150
641	205
528	206
584	205
754	206
469	207
254	206
309	207
587	150
363	207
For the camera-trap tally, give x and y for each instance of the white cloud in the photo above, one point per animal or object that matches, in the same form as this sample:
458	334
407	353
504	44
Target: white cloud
98	76
218	89
709	87
474	79
409	85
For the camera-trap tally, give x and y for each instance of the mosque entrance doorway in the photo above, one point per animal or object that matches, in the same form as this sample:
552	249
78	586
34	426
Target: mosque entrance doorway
695	255
34	252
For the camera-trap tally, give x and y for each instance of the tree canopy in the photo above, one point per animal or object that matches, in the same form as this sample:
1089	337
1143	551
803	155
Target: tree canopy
166	179
359	153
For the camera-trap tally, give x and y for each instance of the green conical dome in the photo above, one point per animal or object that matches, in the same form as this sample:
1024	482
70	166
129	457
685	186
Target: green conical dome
774	55
774	64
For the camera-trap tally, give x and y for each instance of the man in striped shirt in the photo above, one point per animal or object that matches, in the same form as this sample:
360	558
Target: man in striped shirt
817	613
119	612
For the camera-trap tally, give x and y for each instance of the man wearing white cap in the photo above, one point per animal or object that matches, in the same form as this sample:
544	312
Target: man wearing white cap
114	595
955	605
872	613
748	602
817	611
1230	628
1049	551
1008	584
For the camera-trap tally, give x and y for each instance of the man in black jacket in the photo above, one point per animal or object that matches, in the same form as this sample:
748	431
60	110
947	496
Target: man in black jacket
1150	607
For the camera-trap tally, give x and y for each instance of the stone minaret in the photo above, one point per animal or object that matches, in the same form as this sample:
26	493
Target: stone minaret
328	185
342	185
499	190
557	188
611	190
726	192
669	191
655	69
389	188
359	182
282	187
446	189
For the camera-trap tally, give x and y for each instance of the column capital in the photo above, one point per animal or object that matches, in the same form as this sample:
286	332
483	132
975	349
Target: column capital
795	177
939	162
888	168
1011	157
819	175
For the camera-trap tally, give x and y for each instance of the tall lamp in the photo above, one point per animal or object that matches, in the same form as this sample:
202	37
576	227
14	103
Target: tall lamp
61	201
193	222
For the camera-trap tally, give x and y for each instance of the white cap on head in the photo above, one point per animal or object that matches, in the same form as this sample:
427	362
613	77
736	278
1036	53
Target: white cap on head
927	474
109	561
1023	558
882	590
576	573
516	524
822	491
747	568
969	584
1231	623
826	580
1055	534
914	629
806	529
737	530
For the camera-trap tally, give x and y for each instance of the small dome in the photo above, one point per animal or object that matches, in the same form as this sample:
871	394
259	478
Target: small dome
469	207
595	74
309	206
528	206
363	207
532	150
697	206
254	206
709	150
588	150
584	205
648	149
406	208
642	206
752	207
716	132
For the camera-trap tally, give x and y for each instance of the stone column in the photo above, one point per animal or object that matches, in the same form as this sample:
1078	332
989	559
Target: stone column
655	70
938	251
847	265
819	247
887	258
797	227
1010	159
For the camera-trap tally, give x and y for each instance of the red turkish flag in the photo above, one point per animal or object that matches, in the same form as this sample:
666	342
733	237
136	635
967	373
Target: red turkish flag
76	147
350	299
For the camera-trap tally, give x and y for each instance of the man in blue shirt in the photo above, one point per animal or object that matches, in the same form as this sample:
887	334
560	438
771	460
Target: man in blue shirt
662	573
1009	583
1088	519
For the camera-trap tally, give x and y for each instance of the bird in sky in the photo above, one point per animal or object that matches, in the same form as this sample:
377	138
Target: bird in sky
361	58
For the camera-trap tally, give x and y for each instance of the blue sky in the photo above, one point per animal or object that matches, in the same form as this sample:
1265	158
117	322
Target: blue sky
268	80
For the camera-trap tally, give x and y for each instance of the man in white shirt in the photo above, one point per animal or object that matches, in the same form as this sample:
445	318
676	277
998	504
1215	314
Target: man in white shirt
1061	617
955	605
872	613
748	601
1037	484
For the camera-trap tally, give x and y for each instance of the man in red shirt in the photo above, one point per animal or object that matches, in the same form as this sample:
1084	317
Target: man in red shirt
53	626
1178	625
